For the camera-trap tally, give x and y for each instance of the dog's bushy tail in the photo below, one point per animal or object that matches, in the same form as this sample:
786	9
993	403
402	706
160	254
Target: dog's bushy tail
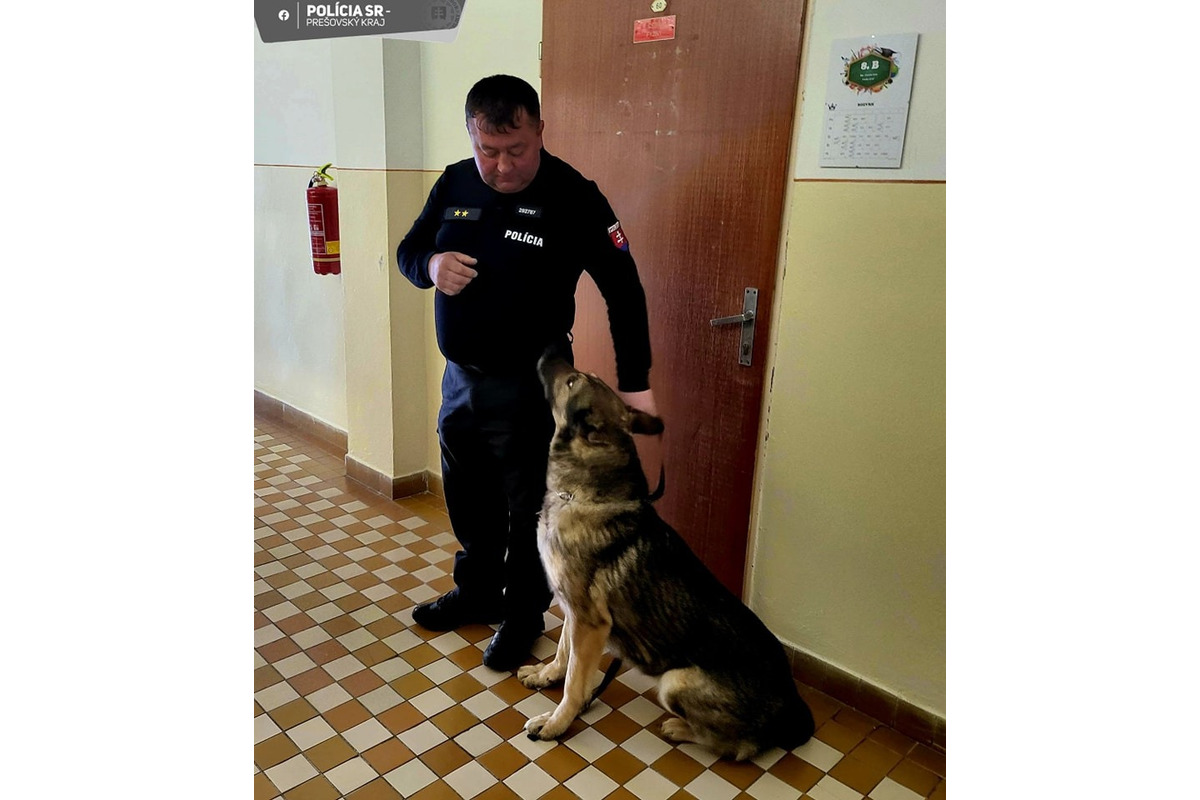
795	725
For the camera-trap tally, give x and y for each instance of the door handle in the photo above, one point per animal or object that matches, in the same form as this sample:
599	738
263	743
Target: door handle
745	316
746	320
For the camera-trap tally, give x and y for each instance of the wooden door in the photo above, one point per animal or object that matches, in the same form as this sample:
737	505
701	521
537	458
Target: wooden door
689	139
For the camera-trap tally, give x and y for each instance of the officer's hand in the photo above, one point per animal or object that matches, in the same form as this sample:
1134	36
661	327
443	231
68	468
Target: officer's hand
451	272
650	448
642	401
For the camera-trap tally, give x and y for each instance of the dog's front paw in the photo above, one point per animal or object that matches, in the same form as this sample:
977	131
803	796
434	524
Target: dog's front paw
544	727
535	676
531	676
678	730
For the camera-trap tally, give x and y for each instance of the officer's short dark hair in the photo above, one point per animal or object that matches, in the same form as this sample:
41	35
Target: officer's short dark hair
499	99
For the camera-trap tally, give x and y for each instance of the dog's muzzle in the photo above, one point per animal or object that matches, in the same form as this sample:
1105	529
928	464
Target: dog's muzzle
551	366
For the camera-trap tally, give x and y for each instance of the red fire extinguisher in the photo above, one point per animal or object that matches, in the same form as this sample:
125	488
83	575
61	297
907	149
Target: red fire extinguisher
323	223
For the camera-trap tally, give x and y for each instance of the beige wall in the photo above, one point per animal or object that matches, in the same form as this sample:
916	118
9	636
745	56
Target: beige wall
435	363
850	560
415	355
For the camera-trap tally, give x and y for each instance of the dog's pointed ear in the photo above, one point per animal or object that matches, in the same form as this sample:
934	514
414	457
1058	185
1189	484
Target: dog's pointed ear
641	422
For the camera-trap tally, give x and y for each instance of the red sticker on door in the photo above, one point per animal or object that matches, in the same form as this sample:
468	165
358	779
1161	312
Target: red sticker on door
618	236
653	29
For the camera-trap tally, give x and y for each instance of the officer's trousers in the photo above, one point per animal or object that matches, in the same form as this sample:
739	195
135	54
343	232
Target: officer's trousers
495	435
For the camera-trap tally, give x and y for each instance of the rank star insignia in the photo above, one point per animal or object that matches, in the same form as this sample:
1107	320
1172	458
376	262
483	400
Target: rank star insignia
462	213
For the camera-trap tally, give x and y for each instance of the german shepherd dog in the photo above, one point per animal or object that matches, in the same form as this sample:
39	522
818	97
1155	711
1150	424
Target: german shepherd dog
628	581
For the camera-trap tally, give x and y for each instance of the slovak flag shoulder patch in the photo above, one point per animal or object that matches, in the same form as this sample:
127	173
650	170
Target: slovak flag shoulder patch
618	236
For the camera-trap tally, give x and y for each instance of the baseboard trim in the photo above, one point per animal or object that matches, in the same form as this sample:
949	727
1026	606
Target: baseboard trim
307	424
916	723
336	440
380	483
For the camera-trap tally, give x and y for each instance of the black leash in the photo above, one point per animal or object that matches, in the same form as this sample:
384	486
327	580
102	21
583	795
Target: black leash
611	673
662	483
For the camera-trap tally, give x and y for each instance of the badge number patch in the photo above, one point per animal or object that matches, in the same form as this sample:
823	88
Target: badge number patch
618	236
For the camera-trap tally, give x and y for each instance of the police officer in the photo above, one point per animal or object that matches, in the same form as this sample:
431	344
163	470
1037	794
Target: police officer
503	238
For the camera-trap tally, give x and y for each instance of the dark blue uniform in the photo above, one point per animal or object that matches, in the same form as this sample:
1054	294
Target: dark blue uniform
495	426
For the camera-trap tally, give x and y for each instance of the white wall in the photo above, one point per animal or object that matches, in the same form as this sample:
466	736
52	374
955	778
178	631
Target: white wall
492	38
299	350
293	102
925	138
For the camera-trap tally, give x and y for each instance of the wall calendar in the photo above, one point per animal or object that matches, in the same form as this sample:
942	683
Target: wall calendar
866	101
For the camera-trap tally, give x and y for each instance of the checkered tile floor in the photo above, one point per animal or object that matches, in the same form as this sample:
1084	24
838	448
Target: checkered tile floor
354	700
